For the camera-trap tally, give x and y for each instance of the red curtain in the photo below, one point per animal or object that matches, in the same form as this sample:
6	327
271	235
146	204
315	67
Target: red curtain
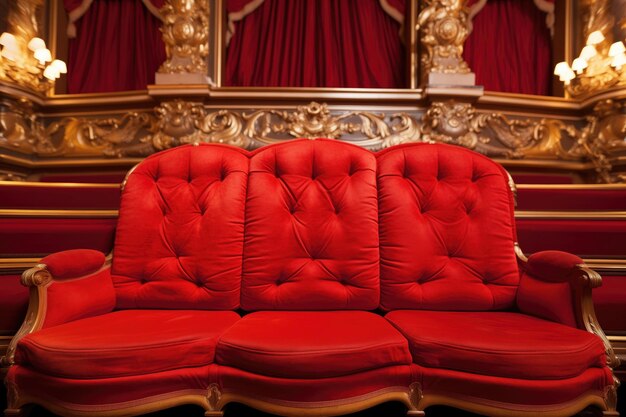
118	46
510	48
317	43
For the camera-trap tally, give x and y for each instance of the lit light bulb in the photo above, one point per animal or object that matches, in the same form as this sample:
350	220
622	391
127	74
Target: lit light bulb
567	76
588	52
579	65
617	48
618	61
595	37
51	73
43	55
561	68
59	66
7	40
36	43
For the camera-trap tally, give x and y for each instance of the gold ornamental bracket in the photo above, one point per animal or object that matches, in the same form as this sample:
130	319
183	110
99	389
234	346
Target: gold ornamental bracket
186	36
444	27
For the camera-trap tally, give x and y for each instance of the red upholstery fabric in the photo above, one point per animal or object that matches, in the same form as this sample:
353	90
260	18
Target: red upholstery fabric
571	199
13	304
446	230
312	344
609	303
73	263
553	266
128	342
545	286
545	299
182	216
47	197
504	344
33	237
585	238
509	392
98	394
318	390
91	295
311	228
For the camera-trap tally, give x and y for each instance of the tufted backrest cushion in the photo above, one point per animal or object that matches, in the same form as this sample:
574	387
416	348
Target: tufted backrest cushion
311	228
446	230
179	240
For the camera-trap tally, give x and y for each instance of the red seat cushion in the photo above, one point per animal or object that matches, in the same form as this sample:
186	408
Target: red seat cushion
501	344
127	342
308	344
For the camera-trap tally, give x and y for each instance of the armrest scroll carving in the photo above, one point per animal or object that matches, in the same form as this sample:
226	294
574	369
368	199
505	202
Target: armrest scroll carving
38	279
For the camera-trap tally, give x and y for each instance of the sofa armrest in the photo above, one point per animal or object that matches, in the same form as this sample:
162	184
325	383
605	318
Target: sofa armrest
65	286
557	286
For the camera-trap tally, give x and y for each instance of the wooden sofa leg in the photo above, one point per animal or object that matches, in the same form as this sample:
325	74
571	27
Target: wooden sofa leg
415	413
213	414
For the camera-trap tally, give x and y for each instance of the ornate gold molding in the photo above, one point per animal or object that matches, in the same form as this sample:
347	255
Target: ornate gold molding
186	36
444	28
595	141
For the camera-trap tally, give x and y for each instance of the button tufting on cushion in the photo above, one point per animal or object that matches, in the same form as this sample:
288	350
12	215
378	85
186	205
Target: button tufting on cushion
314	248
182	214
436	181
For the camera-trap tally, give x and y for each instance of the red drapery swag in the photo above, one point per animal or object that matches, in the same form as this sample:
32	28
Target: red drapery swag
510	47
315	43
115	45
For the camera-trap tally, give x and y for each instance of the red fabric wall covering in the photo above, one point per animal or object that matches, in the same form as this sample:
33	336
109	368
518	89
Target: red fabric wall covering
13	304
509	48
609	302
118	47
574	199
585	238
42	197
317	43
33	237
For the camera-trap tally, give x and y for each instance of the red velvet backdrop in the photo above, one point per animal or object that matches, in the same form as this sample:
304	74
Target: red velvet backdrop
317	43
510	49
118	47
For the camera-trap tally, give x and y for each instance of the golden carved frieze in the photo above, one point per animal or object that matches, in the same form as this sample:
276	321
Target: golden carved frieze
372	130
443	26
186	36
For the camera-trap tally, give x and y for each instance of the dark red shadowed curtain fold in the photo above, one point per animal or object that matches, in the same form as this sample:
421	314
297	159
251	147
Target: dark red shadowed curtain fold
117	45
316	43
510	48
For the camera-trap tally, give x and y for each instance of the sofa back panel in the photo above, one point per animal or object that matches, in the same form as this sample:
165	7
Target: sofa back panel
446	230
311	228
179	240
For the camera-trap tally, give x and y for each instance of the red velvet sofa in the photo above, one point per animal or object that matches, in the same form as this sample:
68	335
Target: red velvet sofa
312	278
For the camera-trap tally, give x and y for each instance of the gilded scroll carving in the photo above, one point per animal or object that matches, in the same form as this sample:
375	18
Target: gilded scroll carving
603	137
373	130
598	139
444	28
186	36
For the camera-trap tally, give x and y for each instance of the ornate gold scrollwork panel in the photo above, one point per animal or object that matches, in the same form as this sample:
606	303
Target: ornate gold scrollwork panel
597	139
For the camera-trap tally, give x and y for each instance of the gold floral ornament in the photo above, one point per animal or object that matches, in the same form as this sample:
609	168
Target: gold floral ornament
444	28
185	34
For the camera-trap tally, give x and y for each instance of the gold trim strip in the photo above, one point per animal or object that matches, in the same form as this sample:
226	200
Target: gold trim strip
566	215
571	187
11	263
58	213
59	184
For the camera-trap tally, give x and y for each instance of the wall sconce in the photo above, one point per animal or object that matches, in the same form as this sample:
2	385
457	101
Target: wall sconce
596	67
29	65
